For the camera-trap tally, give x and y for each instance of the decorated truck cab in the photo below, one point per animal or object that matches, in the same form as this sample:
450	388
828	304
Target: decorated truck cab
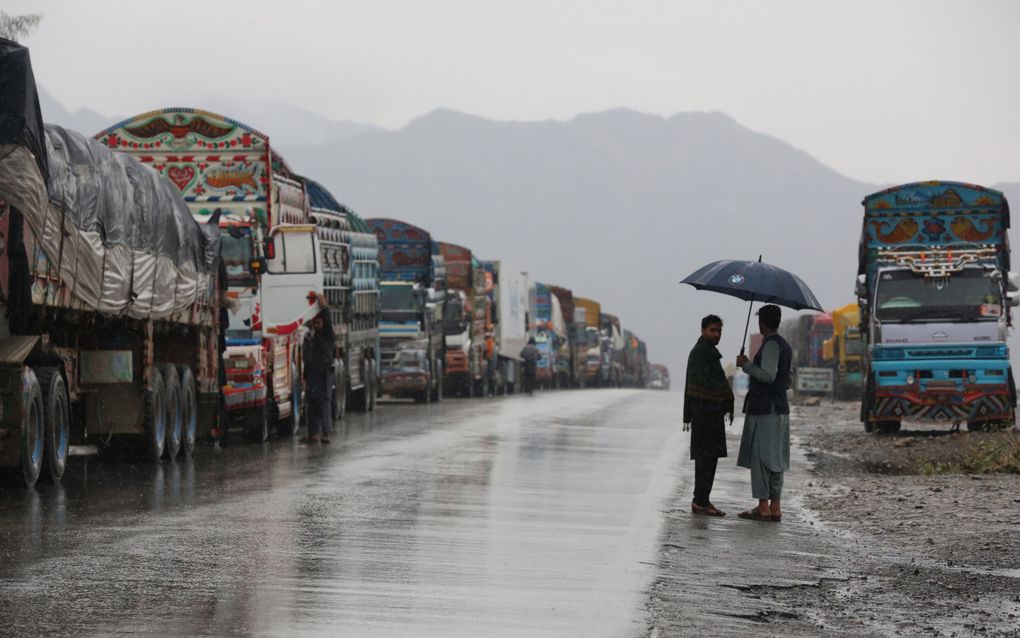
230	177
936	299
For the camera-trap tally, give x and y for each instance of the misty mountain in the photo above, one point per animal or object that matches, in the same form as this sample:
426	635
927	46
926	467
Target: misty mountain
289	126
84	121
617	206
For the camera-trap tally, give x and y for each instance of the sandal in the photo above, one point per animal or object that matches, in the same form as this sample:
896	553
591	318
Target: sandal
706	510
754	515
776	519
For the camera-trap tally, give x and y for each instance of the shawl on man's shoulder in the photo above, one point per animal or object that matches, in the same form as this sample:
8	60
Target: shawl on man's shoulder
706	382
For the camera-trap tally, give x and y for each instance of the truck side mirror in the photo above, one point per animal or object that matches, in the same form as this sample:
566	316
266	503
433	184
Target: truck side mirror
257	265
861	289
1014	282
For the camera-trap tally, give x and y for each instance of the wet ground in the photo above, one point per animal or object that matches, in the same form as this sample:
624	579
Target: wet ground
881	535
490	517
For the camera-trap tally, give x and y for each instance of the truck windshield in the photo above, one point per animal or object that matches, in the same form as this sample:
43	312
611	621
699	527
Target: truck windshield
453	316
236	253
854	346
398	298
967	295
408	359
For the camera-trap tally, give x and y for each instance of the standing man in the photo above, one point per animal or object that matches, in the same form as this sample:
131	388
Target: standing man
319	352
530	355
765	443
708	397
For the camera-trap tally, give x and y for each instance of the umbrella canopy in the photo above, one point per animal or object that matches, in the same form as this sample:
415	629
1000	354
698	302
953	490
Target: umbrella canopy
754	281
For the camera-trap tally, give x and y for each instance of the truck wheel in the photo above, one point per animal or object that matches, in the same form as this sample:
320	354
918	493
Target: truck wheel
340	393
57	421
155	416
189	410
290	425
888	427
174	414
437	395
32	428
256	424
370	385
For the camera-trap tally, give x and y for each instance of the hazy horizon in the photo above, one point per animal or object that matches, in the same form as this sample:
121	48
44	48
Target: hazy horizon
881	92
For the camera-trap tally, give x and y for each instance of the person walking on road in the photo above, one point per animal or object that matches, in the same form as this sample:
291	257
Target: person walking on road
708	398
765	442
530	355
319	350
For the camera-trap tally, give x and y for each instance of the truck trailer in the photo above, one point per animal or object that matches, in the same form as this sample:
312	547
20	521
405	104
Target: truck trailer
110	299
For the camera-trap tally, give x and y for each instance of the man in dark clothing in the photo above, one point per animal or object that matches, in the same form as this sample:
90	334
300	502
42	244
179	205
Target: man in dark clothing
319	352
530	355
708	397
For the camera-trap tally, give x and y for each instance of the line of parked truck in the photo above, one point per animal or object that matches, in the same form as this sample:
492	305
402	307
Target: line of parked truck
157	278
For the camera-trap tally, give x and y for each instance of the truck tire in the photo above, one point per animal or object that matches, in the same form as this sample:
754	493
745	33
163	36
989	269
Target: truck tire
56	420
437	394
256	424
290	425
866	401
174	414
155	416
32	428
189	410
339	392
370	387
888	427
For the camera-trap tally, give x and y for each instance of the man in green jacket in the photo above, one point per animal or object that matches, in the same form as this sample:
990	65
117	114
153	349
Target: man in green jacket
708	397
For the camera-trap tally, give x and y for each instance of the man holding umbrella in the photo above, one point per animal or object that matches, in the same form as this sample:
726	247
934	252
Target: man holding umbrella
765	443
708	397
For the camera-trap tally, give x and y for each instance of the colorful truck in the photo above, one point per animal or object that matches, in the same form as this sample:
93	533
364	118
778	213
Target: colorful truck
466	319
412	298
549	330
587	313
936	298
658	377
569	365
230	177
844	350
611	351
507	288
349	258
110	299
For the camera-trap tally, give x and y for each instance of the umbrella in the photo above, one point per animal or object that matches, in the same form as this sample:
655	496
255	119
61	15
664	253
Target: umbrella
754	281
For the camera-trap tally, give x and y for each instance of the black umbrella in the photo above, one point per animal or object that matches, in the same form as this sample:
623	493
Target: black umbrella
754	281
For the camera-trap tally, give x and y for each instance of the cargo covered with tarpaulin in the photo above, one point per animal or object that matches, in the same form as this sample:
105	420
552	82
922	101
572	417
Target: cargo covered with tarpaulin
108	234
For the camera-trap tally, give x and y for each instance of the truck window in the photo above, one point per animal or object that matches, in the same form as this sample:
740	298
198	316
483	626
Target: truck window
237	253
967	295
295	254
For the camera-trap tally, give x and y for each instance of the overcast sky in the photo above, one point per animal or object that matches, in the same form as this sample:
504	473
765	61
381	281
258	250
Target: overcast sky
880	91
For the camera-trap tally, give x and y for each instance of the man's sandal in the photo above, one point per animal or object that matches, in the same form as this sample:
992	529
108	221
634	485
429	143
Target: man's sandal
707	510
754	515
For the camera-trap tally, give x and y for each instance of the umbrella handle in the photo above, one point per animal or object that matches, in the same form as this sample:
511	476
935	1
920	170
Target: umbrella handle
747	325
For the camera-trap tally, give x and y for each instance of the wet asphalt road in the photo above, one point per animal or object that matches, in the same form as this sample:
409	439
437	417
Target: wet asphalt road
514	516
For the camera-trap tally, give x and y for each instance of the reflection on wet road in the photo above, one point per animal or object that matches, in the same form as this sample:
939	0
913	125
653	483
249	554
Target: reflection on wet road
499	517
